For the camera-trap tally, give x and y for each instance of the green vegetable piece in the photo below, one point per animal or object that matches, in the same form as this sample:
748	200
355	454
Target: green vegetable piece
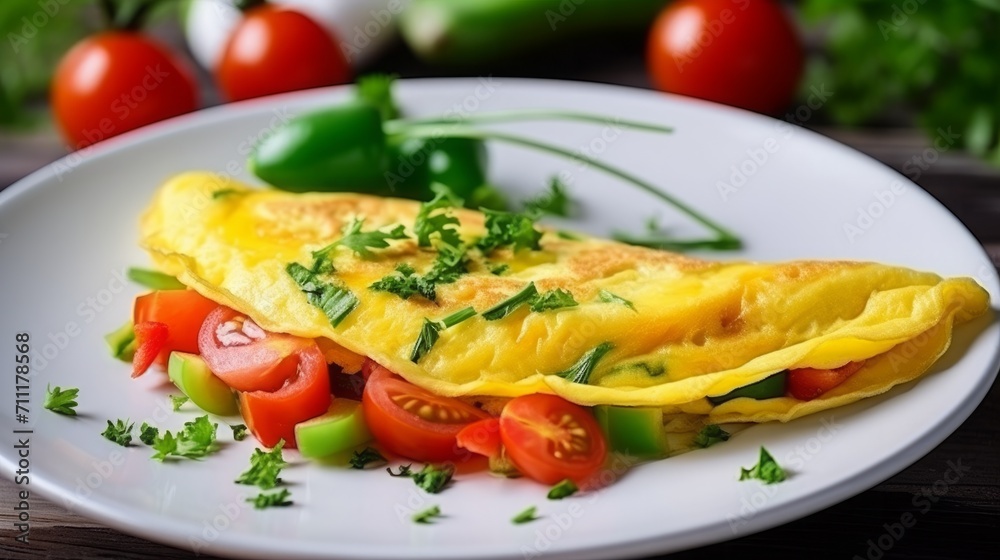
433	479
361	242
191	375
767	388
634	431
435	217
766	470
61	402
273	499
195	441
555	201
507	229
265	468
367	456
120	432
556	299
340	429
428	515
460	164
498	269
376	90
580	372
404	470
431	331
711	435
525	516
147	433
153	279
564	489
122	342
239	432
339	148
508	306
335	302
608	297
178	401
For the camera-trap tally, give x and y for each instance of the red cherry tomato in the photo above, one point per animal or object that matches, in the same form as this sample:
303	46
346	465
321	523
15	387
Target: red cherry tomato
738	52
274	50
806	384
482	437
272	415
412	422
182	311
550	439
245	356
150	339
117	81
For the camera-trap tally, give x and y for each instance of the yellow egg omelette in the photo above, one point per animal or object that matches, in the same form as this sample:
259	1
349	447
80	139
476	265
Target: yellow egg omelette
642	327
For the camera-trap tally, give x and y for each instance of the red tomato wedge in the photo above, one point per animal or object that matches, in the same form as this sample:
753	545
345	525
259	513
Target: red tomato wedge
550	439
182	311
413	422
806	384
245	356
150	338
272	415
482	437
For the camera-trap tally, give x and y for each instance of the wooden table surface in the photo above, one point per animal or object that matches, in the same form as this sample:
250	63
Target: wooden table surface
963	523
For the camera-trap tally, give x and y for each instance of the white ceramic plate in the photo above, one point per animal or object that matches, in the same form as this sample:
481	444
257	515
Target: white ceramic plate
70	230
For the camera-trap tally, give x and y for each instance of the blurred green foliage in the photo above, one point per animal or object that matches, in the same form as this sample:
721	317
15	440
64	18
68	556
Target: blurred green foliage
937	58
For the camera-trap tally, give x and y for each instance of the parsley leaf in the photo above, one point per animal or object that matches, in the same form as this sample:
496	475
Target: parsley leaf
555	201
556	299
365	457
580	372
435	217
431	331
564	489
509	229
265	466
451	263
710	435
498	269
336	302
404	470
153	279
608	297
361	242
274	499
433	479
405	284
194	441
178	401
239	432
60	401
509	305
427	515
120	432
376	89
766	469
164	446
525	516
147	433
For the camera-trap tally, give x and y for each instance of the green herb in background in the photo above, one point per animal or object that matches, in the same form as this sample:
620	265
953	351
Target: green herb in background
365	457
178	401
766	470
711	435
147	433
274	499
525	516
265	466
562	490
239	432
427	515
120	432
61	401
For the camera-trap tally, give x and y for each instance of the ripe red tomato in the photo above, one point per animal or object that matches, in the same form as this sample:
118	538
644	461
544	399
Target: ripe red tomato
245	356
182	311
550	439
150	338
806	384
272	415
738	52
274	50
412	422
482	438
117	81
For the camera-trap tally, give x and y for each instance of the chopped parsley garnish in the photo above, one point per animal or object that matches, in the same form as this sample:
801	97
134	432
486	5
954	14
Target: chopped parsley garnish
265	466
433	479
153	279
766	470
405	284
404	470
608	297
435	217
505	229
222	193
194	441
568	235
336	302
580	372
178	401
525	516
431	331
508	306
147	433
556	299
61	402
239	432
710	435
365	457
120	432
428	515
361	242
451	263
274	499
498	269
555	201
564	489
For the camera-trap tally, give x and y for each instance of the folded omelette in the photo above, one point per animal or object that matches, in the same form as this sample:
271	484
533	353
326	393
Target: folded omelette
679	329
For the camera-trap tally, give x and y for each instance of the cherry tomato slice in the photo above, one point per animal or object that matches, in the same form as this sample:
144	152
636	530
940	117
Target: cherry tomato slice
150	338
482	437
413	422
272	415
550	439
182	311
806	384
245	356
